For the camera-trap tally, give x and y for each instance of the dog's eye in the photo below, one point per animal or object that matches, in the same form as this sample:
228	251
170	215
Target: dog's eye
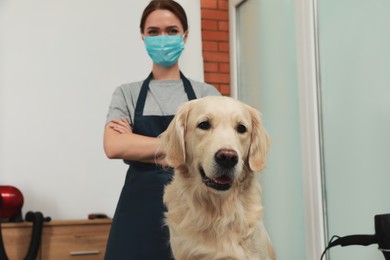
205	125
241	129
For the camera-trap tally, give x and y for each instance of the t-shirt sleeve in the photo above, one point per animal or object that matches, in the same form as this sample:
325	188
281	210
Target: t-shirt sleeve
203	89
119	107
210	90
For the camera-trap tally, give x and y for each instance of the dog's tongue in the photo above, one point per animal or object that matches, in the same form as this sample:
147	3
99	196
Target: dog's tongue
223	180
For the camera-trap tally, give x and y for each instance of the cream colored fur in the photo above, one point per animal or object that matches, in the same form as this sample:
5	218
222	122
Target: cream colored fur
206	223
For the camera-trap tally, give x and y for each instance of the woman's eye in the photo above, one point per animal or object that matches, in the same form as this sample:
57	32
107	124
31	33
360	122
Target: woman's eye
241	129
205	125
173	31
152	32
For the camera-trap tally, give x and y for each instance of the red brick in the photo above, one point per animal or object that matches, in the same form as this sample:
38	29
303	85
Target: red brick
223	25
217	77
209	25
209	4
214	14
210	46
211	67
224	67
223	4
224	89
215	44
223	46
215	56
215	36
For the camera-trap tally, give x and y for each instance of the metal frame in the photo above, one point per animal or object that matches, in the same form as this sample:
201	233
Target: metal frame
234	48
311	127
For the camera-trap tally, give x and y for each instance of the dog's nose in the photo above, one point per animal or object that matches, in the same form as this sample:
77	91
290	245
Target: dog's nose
226	158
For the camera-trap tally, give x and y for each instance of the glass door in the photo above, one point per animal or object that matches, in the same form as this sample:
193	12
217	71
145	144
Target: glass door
264	39
354	40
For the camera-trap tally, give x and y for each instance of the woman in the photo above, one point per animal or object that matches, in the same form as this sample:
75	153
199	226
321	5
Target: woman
138	113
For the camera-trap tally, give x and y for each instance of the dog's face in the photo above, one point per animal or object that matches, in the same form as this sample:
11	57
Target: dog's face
218	139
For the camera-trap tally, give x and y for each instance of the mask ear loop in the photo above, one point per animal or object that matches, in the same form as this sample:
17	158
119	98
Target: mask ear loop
185	36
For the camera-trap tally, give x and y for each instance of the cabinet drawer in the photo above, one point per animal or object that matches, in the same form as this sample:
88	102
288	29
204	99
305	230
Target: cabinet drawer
85	240
61	240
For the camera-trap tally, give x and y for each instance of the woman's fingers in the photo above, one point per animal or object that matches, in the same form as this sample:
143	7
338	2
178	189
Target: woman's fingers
120	125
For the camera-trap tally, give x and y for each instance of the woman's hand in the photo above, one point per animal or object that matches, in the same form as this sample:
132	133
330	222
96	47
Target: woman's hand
121	126
121	143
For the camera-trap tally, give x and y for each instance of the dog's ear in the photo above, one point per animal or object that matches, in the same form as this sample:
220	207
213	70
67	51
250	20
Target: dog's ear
172	139
260	143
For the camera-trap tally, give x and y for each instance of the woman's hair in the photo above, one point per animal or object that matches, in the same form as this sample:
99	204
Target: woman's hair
169	5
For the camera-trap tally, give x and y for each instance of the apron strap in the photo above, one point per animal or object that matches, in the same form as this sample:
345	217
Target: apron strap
187	87
139	108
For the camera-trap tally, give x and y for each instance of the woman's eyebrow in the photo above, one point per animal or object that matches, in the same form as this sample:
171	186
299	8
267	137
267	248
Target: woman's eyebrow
172	27
153	28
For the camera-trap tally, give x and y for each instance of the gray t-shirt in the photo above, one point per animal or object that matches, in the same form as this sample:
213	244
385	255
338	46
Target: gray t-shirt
163	98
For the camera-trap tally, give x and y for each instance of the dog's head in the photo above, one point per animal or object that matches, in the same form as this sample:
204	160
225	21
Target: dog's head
218	139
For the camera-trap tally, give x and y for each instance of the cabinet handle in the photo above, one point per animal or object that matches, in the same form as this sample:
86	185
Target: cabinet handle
78	253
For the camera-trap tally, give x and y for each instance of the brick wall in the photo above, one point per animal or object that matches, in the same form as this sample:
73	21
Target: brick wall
215	44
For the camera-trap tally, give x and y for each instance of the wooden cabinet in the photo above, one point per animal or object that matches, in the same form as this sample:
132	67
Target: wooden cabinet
62	240
16	239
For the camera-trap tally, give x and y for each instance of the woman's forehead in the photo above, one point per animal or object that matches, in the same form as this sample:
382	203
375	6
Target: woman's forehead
162	18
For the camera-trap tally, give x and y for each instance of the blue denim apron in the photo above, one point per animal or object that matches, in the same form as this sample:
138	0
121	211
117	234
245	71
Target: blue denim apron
137	231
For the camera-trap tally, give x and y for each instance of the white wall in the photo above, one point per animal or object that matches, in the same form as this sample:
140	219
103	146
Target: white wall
59	64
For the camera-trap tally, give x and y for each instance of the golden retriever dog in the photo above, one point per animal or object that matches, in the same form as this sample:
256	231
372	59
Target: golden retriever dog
214	210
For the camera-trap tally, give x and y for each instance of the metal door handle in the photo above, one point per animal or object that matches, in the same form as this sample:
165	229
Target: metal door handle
78	253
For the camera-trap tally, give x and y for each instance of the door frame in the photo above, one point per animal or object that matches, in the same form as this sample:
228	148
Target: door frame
311	127
234	48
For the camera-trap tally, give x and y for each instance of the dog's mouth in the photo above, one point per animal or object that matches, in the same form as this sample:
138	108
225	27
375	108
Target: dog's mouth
222	182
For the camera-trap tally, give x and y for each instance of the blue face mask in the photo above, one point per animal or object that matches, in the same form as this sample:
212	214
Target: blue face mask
164	50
